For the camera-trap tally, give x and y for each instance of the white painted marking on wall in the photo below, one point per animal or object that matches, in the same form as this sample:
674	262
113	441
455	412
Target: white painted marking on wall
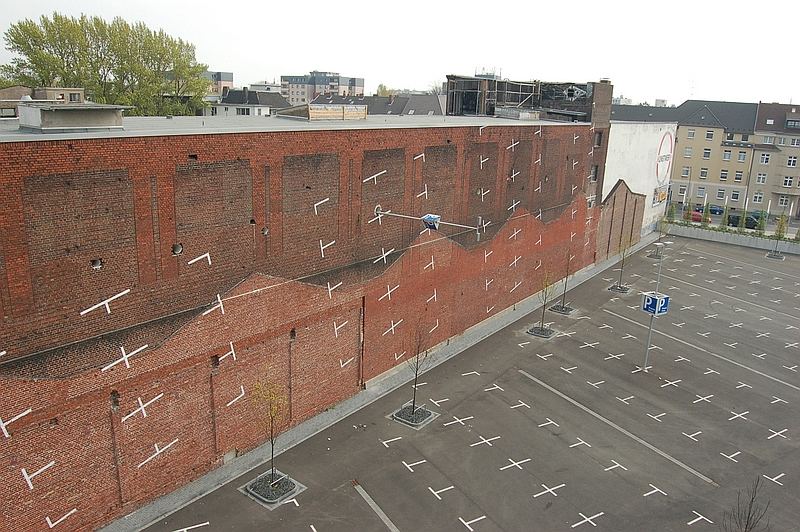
4	424
319	204
205	255
158	451
125	357
142	407
374	178
231	353
52	524
241	394
388	293
30	476
424	192
105	303
219	306
392	327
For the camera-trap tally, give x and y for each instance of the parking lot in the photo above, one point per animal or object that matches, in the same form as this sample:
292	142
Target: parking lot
570	432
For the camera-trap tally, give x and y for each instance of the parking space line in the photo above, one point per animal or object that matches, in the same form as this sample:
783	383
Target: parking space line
715	355
620	429
746	264
730	297
375	508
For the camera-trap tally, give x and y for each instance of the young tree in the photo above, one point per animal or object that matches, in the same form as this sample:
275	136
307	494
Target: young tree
742	218
723	223
749	514
625	251
671	213
762	223
706	215
547	287
780	230
687	213
797	235
562	307
271	402
418	364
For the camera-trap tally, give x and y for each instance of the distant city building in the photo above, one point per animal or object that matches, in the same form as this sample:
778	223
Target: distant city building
219	81
714	149
776	186
266	86
303	89
10	97
660	103
621	100
61	94
244	102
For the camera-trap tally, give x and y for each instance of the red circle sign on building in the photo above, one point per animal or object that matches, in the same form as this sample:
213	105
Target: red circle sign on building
664	158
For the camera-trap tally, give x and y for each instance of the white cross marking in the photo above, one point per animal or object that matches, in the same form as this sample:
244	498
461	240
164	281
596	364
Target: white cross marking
702	398
625	400
777	433
457	420
671	383
587	344
514	262
514	174
158	450
512	145
383	256
484	440
692	436
142	407
515	233
219	306
587	519
125	357
640	369
551	491
736	416
392	327
388	292
515	464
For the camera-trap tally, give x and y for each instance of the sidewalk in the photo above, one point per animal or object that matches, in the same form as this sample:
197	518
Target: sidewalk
375	389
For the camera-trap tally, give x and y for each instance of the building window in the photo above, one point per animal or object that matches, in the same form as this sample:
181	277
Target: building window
726	155
761	178
709	134
738	176
765	158
745	138
74	96
686	171
703	173
242	111
793	124
690	134
593	176
734	195
729	136
723	175
788	181
742	156
706	153
687	151
213	111
770	121
682	190
791	161
598	139
768	139
701	192
758	197
720	193
781	141
783	201
795	143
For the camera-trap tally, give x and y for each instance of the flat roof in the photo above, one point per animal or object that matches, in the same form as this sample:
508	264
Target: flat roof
154	126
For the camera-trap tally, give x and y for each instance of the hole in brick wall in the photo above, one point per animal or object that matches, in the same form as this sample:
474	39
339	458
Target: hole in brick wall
265	231
114	400
308	187
192	156
177	249
252	221
215	361
293	334
96	264
54	421
449	141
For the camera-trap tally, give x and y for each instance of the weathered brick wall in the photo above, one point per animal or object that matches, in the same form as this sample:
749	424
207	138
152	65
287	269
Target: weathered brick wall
280	319
620	221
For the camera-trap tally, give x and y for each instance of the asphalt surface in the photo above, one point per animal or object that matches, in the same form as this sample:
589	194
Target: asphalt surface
569	433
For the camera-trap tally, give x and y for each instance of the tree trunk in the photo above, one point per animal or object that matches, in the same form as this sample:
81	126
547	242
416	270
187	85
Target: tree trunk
414	393
621	268
272	447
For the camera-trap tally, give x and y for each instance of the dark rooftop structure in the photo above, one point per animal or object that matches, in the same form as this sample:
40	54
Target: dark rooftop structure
409	104
778	117
247	97
734	117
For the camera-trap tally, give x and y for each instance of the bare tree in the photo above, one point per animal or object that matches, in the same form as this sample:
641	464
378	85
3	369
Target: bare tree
419	362
625	251
749	515
546	290
271	402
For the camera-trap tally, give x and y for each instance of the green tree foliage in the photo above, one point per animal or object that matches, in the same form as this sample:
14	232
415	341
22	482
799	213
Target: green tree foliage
797	235
687	212
116	62
671	213
762	223
723	223
383	90
741	227
780	230
706	215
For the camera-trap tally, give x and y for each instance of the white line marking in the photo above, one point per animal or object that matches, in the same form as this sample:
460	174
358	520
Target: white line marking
732	457
548	422
457	420
579	443
387	442
551	491
485	441
207	523
699	518
620	429
375	177
777	433
515	464
519	404
612	355
777	400
410	466
658	417
5	424
51	524
332	288
702	398
241	394
692	436
653	491
142	407
569	370
470	373
595	384
343	363
739	416
436	493
205	255
615	466
626	399
105	303
468	523
437	403
158	450
319	203
219	306
775	479
715	355
494	387
28	477
587	519
125	357
375	508
671	383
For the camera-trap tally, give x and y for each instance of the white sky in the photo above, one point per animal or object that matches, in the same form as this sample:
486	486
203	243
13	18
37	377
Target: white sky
672	49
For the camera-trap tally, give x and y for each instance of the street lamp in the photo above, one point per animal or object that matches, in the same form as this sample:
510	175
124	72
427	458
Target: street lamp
655	304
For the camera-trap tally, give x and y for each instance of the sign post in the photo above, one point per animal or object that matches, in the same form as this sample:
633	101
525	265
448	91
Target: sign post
655	304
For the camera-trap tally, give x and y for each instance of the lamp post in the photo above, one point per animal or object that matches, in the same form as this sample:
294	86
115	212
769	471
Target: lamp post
655	310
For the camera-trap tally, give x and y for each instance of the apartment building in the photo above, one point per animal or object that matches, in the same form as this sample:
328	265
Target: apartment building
714	147
776	184
299	90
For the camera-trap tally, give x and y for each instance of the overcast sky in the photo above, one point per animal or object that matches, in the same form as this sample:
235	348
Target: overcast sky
672	49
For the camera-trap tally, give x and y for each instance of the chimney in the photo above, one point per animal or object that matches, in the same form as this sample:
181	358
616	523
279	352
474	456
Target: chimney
244	92
225	91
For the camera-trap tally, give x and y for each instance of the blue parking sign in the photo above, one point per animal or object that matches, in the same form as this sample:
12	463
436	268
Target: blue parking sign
655	304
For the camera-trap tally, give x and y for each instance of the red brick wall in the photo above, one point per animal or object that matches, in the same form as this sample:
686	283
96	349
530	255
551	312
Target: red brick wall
129	200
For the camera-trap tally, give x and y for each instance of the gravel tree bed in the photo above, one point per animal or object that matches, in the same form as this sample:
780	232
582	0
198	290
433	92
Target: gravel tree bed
406	415
542	332
271	491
